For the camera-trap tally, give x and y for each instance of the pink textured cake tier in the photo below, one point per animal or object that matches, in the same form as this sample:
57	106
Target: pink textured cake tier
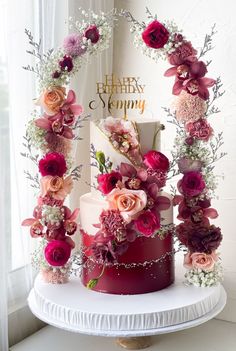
147	266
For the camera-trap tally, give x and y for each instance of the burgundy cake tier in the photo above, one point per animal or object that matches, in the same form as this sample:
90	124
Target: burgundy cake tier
147	266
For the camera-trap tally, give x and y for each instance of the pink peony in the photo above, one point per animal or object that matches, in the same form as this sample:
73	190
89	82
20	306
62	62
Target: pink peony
129	202
53	164
192	184
200	260
108	181
73	45
156	161
189	108
147	223
155	35
200	129
57	253
92	33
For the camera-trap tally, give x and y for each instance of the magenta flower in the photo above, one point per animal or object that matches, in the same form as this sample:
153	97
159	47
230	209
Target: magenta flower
200	129
92	33
53	164
73	45
155	35
57	253
156	160
192	184
147	223
66	63
112	225
108	181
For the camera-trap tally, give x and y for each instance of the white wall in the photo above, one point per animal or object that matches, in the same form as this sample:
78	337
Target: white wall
196	18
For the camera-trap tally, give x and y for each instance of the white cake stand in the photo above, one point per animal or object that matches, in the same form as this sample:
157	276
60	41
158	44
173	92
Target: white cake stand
131	318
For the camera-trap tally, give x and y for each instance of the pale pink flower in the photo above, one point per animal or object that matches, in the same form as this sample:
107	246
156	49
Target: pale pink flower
200	260
129	202
189	108
56	186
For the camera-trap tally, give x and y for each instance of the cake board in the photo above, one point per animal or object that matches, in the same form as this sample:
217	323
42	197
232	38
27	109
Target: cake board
133	319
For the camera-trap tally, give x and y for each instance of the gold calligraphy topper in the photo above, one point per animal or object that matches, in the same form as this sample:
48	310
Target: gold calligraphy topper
113	85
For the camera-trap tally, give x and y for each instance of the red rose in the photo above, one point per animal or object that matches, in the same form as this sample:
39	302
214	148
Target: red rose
53	164
57	252
92	33
66	63
156	160
200	129
192	184
147	223
108	181
155	35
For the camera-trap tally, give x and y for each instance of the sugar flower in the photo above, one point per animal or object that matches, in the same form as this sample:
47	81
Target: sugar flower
199	129
200	260
52	99
147	223
108	181
56	186
192	184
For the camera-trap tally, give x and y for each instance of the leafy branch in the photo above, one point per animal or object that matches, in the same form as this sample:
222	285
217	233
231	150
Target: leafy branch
28	154
207	46
217	93
34	179
76	172
173	119
79	124
215	146
129	17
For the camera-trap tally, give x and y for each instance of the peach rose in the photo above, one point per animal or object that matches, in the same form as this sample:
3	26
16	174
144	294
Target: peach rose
52	99
200	260
56	186
128	202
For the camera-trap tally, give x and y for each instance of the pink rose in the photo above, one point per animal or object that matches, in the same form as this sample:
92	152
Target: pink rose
128	202
200	260
108	181
57	252
57	187
200	129
192	184
147	223
156	160
155	35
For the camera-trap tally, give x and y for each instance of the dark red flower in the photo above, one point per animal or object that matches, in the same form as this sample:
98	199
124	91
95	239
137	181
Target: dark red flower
147	223
107	182
66	63
53	164
198	237
183	53
199	129
92	33
155	35
156	160
192	184
113	225
57	252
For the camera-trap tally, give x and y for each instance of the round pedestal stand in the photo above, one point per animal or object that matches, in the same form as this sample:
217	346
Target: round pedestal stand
138	343
130	318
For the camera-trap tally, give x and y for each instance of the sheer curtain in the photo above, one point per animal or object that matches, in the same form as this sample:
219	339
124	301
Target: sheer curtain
45	19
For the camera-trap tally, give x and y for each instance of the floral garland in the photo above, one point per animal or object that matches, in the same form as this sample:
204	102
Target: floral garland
49	134
132	193
196	147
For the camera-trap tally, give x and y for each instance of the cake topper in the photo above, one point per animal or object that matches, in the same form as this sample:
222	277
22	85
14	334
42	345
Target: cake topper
123	87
